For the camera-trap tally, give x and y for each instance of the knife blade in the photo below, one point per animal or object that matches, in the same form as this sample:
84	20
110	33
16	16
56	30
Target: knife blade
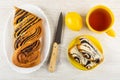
59	29
57	41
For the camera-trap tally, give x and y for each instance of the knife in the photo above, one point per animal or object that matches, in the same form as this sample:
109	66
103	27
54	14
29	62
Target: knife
57	41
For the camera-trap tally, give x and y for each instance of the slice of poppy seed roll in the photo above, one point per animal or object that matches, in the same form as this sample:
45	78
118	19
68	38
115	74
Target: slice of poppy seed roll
86	53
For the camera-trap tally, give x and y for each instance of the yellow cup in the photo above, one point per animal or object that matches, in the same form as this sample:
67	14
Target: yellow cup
100	19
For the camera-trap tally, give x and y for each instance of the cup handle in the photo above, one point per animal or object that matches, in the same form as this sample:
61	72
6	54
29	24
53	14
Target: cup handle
111	33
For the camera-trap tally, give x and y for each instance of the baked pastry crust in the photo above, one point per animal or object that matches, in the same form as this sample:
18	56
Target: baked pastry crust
27	38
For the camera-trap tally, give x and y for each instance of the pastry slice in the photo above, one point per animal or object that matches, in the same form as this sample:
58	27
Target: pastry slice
86	53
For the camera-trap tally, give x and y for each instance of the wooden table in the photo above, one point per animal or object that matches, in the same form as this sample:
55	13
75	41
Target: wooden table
108	70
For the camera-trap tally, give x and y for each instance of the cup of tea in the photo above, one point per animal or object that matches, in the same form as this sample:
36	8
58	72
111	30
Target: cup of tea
100	19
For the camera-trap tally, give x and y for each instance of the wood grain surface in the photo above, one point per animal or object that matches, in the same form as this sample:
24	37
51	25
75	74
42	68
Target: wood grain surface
108	70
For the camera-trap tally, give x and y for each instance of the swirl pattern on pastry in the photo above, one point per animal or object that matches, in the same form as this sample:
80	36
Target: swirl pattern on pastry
27	38
85	53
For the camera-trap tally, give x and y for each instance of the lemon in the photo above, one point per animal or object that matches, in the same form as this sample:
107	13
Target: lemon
73	21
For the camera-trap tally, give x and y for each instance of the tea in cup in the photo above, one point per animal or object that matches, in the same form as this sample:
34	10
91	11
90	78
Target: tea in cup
100	19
